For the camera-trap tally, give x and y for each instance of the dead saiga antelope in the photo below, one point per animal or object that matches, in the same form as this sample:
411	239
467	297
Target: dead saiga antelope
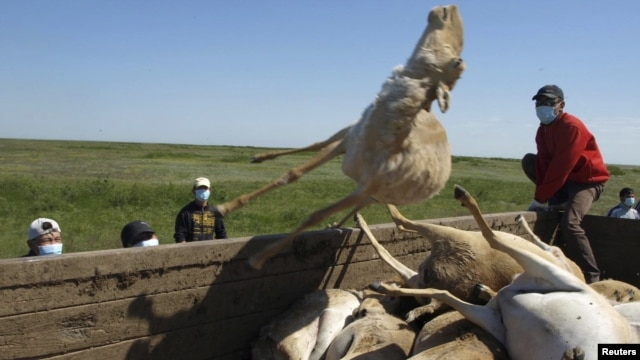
397	152
545	312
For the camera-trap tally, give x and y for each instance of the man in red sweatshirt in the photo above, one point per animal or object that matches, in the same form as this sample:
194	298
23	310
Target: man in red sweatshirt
568	171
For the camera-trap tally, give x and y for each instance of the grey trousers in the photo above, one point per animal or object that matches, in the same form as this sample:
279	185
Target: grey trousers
578	199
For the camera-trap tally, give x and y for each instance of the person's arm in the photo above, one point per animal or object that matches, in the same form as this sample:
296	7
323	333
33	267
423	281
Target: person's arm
543	157
182	226
569	145
221	232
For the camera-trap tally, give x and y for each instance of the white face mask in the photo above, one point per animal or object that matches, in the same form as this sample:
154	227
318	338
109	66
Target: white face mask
202	194
53	249
545	114
145	243
629	201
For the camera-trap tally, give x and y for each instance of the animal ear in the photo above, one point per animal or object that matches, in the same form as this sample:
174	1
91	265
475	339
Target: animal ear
444	95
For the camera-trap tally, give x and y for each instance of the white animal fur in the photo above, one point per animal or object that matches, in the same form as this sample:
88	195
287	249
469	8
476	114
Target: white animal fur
459	260
305	330
374	335
397	152
561	259
545	313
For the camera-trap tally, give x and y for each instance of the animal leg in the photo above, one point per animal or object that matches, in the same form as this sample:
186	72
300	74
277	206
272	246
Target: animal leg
313	147
409	276
428	231
557	278
483	292
487	317
535	239
433	308
401	222
561	259
352	213
355	199
330	323
329	152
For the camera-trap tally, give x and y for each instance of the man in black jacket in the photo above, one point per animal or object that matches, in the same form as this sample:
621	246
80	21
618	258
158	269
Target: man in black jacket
198	220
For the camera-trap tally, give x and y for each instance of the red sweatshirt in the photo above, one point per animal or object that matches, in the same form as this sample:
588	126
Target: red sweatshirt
566	151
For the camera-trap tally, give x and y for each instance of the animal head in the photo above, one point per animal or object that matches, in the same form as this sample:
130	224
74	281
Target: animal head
445	24
436	58
369	306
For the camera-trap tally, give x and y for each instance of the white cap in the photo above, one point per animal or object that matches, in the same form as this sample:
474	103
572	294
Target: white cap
42	226
201	181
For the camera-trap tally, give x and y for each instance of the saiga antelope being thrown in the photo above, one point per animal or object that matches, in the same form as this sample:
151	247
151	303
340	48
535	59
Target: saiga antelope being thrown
397	152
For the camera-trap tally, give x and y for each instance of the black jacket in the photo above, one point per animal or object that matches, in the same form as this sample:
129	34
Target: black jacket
195	223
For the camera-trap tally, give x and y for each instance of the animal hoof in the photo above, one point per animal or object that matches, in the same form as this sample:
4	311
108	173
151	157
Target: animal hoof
459	191
482	293
377	286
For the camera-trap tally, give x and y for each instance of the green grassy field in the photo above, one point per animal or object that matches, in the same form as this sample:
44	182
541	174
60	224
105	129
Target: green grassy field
93	188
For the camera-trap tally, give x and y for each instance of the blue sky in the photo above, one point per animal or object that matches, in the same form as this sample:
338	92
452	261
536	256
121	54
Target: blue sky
292	72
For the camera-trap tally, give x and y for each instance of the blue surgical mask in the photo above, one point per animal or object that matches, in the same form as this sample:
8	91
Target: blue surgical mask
545	114
53	249
145	243
202	194
629	201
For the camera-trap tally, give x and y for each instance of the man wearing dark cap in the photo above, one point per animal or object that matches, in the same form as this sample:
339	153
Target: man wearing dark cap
624	209
568	171
138	234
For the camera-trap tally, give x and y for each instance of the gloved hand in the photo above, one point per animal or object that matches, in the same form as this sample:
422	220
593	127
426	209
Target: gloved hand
537	206
557	207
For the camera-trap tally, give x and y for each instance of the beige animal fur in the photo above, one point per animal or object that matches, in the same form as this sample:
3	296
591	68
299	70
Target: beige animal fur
459	260
451	336
397	152
305	330
618	292
374	334
546	312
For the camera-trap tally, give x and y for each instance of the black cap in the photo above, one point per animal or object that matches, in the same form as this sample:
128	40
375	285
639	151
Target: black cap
626	192
550	91
131	231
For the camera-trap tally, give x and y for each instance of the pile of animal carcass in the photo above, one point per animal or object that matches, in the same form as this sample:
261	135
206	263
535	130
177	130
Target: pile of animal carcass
398	153
543	308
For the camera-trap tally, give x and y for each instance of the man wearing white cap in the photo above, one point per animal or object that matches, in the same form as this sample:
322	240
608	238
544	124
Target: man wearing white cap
44	238
198	220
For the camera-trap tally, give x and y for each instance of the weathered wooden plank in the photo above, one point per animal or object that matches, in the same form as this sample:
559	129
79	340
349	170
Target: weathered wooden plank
223	340
200	299
616	246
88	326
101	288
